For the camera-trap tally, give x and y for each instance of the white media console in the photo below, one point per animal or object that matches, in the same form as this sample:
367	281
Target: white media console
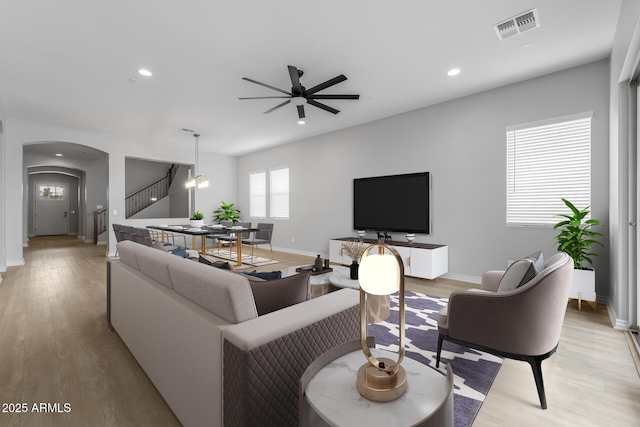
422	260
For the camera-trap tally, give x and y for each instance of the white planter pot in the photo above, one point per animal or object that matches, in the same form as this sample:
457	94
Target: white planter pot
583	287
196	223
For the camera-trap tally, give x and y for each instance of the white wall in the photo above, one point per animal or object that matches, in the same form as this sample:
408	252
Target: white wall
462	143
3	198
221	171
623	63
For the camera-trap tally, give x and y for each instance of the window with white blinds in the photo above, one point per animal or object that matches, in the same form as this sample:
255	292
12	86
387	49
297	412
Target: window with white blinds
548	161
258	195
279	193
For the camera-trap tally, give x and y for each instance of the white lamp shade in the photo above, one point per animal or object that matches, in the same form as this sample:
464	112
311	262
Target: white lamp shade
379	274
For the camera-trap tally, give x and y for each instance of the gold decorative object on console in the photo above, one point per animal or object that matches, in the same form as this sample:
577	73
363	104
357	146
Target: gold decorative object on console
381	380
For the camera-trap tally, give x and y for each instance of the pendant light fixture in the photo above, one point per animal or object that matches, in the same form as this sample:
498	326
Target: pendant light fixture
197	180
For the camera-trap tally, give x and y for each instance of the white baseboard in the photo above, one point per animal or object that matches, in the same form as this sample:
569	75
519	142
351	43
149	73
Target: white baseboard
15	263
615	321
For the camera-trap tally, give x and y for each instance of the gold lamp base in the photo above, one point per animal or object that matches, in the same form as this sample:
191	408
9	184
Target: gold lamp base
380	386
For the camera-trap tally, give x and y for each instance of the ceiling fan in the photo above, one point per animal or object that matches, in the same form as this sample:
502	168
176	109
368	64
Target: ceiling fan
299	95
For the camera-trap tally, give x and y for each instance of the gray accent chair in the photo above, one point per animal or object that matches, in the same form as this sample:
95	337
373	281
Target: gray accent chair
261	237
523	324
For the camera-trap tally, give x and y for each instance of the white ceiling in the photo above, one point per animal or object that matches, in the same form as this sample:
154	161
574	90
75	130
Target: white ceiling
69	62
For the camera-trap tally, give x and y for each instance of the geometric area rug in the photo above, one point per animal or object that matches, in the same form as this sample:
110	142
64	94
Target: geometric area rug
474	371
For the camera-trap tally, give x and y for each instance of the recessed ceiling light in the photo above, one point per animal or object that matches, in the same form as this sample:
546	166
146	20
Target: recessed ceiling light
301	122
58	155
145	72
453	72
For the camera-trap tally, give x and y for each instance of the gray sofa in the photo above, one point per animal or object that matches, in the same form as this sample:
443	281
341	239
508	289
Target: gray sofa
196	332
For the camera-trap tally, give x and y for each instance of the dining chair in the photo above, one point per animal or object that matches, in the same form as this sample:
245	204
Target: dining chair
261	237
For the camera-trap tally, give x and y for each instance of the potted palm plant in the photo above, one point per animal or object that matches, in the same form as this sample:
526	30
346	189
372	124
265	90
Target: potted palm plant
576	238
226	212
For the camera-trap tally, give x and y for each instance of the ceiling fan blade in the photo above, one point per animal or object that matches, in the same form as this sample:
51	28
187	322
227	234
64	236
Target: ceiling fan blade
301	112
334	97
328	83
322	106
295	80
277	106
265	97
266	85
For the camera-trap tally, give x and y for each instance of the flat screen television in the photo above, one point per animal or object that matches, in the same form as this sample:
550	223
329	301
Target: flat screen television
392	203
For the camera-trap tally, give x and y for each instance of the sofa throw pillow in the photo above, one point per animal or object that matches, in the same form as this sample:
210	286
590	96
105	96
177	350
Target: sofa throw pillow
277	294
214	263
181	252
265	275
158	245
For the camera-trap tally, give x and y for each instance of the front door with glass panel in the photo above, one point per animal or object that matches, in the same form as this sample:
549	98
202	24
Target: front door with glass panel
51	210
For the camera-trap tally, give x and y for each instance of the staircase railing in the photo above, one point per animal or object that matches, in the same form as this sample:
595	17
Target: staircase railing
150	194
99	224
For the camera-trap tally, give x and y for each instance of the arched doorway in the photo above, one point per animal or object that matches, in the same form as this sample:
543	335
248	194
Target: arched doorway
66	183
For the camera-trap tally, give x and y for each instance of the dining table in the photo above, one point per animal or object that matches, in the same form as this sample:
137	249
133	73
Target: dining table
203	232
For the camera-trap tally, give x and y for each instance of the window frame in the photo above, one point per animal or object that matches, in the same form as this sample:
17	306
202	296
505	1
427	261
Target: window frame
274	195
270	194
263	195
551	168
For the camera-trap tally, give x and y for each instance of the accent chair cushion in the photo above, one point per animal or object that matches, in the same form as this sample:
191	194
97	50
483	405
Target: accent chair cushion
521	272
276	294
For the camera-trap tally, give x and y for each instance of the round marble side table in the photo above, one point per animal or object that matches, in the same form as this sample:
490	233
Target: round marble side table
332	393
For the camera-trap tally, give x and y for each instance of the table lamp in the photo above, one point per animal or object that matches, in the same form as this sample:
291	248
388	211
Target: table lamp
381	380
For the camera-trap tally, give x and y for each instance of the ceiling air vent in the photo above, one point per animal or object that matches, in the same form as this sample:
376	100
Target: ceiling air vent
517	25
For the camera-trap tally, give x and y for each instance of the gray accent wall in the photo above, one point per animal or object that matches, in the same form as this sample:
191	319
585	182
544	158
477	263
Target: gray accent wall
140	173
462	143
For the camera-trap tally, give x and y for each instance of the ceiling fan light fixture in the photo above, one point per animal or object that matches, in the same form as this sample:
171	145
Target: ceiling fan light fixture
298	100
301	122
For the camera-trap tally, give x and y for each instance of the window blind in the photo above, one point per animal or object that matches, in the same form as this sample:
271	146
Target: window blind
279	193
545	163
258	195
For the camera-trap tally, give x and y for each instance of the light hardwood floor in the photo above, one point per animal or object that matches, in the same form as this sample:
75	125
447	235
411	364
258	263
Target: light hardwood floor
55	347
